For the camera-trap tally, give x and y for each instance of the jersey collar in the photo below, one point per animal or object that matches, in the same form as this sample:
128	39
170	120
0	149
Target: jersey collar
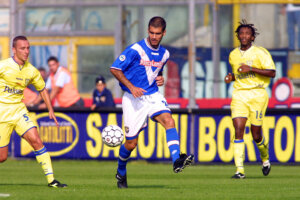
149	45
20	66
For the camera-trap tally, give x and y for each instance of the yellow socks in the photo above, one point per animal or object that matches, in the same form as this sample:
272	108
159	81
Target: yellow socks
43	158
263	148
239	151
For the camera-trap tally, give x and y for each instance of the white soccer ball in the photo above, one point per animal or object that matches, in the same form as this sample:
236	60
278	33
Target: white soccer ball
112	135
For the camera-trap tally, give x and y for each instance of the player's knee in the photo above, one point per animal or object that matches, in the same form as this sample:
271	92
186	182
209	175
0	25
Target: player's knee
3	158
130	144
169	123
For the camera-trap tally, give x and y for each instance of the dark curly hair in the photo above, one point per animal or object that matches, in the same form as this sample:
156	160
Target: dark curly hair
244	24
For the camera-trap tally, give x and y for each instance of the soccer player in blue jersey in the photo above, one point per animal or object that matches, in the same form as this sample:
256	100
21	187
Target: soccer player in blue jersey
16	73
139	71
252	68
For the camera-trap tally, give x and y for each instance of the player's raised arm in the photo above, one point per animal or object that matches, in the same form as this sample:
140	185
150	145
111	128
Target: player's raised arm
135	91
46	98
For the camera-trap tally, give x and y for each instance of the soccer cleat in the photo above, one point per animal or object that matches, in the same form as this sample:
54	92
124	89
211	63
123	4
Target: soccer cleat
57	184
266	168
238	175
182	162
122	181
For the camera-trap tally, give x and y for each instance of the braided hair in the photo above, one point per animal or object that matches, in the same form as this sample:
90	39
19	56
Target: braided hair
244	24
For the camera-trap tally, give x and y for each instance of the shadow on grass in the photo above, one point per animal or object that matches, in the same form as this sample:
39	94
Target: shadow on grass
21	184
151	186
255	177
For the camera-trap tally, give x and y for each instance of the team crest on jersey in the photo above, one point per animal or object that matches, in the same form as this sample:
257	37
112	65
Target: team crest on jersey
122	57
249	62
126	129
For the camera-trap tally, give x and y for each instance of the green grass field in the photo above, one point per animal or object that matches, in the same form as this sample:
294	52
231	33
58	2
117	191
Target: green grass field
23	179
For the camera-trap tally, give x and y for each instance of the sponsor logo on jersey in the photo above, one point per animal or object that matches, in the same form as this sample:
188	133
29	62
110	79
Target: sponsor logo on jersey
151	63
20	79
122	57
245	75
12	90
156	54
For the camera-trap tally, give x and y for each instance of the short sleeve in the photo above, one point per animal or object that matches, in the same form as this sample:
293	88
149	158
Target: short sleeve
37	80
266	60
125	59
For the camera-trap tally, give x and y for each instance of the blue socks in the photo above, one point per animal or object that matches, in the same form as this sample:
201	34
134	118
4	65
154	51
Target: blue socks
173	143
124	155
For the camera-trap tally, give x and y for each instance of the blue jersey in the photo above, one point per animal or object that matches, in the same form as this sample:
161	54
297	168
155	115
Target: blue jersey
141	64
103	99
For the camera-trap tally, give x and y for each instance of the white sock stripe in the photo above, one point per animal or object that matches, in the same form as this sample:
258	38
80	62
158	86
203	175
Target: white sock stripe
123	159
172	142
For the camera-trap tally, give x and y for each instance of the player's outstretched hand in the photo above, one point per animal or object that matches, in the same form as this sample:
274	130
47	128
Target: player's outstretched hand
228	78
160	80
52	116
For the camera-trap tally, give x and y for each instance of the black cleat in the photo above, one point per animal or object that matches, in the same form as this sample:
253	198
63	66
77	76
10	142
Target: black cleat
182	162
57	184
122	181
266	168
238	175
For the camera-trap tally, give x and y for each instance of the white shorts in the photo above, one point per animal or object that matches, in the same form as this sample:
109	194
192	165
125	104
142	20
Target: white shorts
137	110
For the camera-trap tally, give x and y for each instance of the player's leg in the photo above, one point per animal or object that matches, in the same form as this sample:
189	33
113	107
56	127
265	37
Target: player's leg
5	134
239	114
263	148
134	120
26	128
124	154
180	161
166	120
258	110
239	146
42	156
3	153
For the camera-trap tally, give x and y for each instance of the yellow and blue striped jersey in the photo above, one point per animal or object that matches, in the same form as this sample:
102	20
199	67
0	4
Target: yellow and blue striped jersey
15	78
256	57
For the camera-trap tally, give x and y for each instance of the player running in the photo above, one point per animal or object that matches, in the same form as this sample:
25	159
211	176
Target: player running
15	75
252	68
139	71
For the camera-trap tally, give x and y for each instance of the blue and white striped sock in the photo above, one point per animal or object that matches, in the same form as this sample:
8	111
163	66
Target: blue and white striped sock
173	143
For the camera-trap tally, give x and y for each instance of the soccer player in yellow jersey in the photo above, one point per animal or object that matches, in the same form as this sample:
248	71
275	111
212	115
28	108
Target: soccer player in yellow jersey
252	68
15	74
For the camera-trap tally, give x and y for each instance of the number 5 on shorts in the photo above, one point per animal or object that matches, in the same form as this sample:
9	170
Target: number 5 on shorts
26	117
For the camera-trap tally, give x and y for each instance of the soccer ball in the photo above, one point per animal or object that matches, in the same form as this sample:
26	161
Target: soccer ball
112	135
